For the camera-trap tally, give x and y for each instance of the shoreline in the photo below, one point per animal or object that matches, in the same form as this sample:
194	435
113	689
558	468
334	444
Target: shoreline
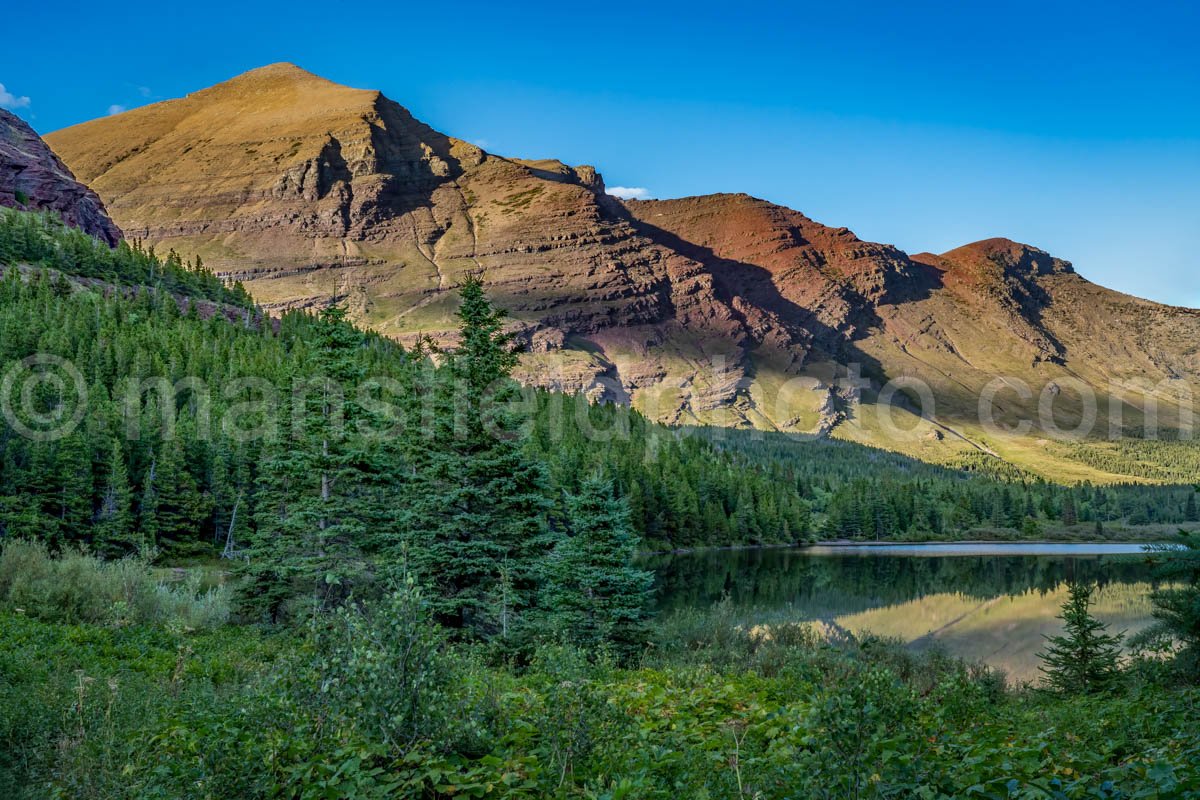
850	543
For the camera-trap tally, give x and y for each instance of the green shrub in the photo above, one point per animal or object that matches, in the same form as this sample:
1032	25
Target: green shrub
383	666
75	587
149	712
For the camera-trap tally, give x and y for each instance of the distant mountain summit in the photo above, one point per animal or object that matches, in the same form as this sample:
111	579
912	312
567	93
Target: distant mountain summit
34	179
722	309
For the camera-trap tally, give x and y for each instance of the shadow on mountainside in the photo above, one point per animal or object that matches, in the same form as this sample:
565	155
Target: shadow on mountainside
754	284
416	159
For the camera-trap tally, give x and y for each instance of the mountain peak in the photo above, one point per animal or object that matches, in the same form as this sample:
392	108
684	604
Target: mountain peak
992	246
283	82
282	71
254	135
1007	255
278	68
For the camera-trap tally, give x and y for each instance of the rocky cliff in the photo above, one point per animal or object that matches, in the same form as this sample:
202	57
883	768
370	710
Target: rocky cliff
719	309
32	177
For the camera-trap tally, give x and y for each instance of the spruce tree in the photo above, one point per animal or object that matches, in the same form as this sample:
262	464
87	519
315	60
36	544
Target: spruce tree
593	594
73	468
1069	513
1085	658
316	488
115	533
1177	601
1030	528
177	502
478	502
148	507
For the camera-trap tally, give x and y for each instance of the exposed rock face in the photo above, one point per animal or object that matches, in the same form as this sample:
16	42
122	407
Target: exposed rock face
722	309
32	177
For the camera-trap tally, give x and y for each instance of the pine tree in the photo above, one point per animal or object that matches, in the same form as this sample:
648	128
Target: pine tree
593	595
148	507
1030	528
1085	658
73	468
1177	602
317	486
177	502
115	534
478	501
1069	513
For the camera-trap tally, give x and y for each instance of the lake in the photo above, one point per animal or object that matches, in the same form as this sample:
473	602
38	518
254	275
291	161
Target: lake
985	602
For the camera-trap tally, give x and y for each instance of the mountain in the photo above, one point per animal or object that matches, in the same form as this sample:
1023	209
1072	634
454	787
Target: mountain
720	309
33	178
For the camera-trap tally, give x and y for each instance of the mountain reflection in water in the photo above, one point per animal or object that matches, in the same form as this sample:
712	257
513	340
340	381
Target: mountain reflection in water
981	602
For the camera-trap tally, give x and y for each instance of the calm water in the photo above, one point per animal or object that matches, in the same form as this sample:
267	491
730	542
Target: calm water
988	602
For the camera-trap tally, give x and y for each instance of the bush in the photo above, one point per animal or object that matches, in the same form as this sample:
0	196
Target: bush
383	665
242	711
75	587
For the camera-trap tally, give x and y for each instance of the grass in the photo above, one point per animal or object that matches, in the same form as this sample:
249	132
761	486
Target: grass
77	588
519	201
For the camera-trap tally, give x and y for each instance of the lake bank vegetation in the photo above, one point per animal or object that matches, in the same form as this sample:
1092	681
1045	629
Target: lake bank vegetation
378	700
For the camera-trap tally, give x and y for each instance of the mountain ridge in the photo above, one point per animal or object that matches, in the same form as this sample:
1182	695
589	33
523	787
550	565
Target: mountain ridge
722	309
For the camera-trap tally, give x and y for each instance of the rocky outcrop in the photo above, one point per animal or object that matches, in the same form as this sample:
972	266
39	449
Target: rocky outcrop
721	309
33	178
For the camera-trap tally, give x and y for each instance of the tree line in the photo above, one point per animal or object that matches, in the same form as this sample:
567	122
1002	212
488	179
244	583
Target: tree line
477	485
41	239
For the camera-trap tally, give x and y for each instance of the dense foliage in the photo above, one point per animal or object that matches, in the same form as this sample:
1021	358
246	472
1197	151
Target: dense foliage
42	240
1177	602
378	703
592	593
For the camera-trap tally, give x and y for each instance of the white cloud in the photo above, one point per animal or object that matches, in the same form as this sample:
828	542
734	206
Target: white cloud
144	91
10	100
115	109
629	192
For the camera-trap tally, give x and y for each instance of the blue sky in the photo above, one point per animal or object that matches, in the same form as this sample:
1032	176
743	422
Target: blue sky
1071	126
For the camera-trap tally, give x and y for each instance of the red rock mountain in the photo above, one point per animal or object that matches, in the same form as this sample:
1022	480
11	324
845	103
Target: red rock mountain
32	177
720	309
